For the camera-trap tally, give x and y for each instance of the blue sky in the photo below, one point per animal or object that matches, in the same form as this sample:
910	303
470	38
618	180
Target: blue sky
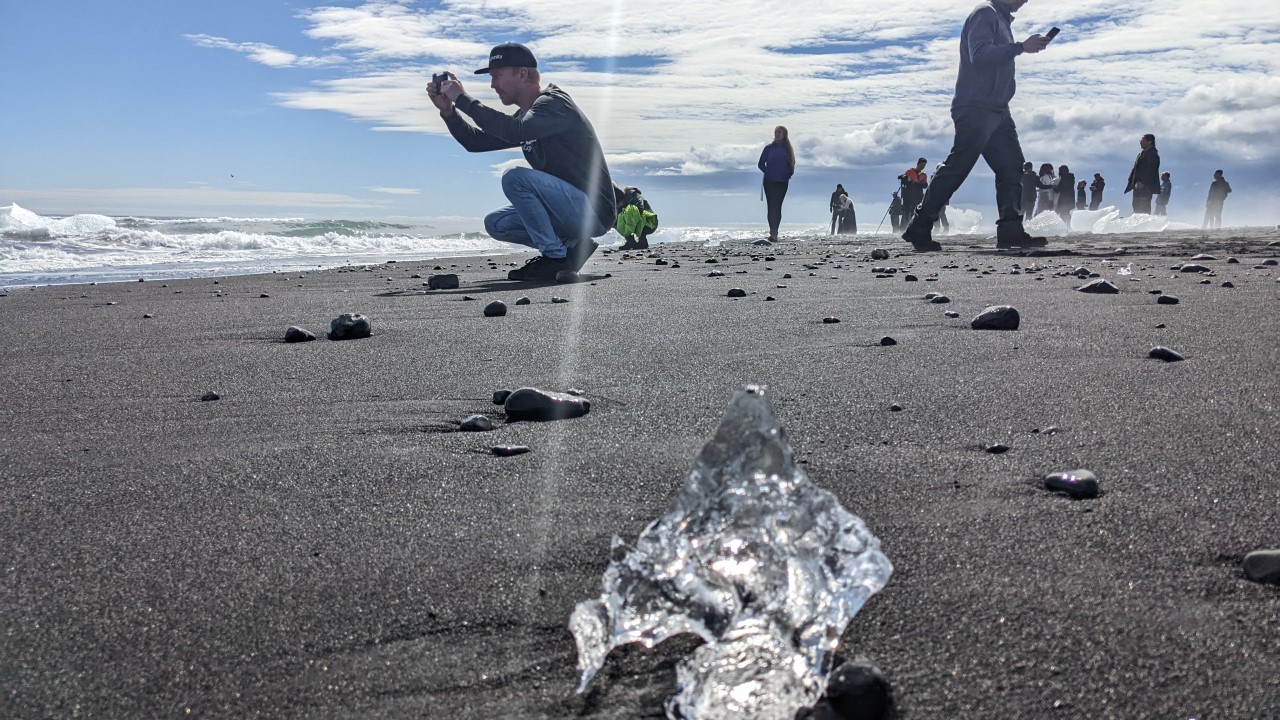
318	109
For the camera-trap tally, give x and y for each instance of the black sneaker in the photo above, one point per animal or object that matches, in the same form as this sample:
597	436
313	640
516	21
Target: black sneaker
921	240
540	268
1018	239
579	254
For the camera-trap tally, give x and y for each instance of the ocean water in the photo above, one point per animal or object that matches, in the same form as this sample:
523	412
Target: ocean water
38	249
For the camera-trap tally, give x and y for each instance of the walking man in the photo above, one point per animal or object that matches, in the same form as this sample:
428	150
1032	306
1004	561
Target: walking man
565	198
984	126
914	182
1144	179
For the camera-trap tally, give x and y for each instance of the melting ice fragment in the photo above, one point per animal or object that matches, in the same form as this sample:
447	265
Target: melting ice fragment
765	566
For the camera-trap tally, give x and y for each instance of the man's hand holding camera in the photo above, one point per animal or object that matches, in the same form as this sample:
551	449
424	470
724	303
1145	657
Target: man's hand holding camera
444	90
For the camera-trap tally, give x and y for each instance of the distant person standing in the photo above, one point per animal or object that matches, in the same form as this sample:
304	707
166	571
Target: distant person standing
1144	179
1081	204
1162	200
1218	192
1030	183
847	215
778	163
896	212
1046	190
834	206
984	126
1066	201
1095	191
914	182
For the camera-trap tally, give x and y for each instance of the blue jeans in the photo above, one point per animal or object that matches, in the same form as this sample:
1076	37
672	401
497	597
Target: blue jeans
546	213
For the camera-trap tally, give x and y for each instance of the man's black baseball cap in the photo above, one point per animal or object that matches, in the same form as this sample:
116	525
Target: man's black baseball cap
509	55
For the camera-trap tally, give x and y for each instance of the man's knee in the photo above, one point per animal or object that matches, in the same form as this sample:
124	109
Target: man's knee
515	178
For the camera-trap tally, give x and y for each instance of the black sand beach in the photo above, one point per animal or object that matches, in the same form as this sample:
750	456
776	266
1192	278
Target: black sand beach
321	542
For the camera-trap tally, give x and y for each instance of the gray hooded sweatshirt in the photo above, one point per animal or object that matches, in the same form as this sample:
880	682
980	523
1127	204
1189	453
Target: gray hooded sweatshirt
987	50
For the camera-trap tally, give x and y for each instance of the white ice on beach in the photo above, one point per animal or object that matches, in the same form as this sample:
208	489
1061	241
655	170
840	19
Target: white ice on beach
754	558
1104	221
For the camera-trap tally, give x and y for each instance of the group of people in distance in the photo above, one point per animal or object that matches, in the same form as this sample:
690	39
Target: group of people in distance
566	197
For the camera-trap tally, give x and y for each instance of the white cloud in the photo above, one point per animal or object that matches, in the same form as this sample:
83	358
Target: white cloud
395	190
878	93
266	54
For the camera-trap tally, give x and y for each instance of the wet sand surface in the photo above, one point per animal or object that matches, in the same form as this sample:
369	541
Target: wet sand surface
322	542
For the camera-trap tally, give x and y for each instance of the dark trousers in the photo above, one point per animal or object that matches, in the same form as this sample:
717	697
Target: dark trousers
1141	203
980	133
1028	204
1213	214
774	192
1095	201
911	197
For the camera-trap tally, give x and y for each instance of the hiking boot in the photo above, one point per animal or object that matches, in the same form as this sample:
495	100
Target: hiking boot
1018	238
630	244
579	254
540	269
920	239
642	244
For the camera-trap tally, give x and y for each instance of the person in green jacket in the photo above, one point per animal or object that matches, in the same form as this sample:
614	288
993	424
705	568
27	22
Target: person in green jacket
636	219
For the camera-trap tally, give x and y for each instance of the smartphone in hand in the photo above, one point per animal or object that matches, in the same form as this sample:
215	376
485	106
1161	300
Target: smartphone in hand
1053	33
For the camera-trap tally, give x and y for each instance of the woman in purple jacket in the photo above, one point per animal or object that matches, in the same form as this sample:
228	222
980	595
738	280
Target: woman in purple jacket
778	163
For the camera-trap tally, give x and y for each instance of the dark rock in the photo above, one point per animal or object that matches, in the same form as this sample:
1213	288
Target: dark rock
523	301
1202	256
467	298
1161	326
997	317
1263	566
145	316
879	254
443	282
737	292
660	261
831	320
762	241
951	314
264	295
910	278
500	396
1100	286
997	449
1192	267
715	273
1163	353
1233	261
209	396
295	334
475	423
895	407
349	326
858	690
509	450
1166	300
556	300
1076	483
497	308
886	341
1269	262
539	405
787	276
769	298
1228	284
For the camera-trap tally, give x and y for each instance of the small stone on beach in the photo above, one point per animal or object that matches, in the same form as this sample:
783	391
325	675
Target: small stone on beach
443	282
497	308
1167	300
533	404
886	341
879	254
349	326
475	423
1263	566
210	396
509	450
500	396
1100	286
295	334
1163	353
830	320
997	317
1076	483
737	292
523	301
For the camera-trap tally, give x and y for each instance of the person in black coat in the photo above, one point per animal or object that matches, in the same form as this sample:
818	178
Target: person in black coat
1066	194
1030	181
1218	192
1095	191
1144	179
896	213
834	207
1081	204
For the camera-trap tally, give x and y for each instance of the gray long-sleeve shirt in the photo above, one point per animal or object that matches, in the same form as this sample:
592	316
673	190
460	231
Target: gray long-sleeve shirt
556	138
987	52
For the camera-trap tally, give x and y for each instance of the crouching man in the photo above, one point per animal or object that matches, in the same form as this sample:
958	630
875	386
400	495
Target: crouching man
565	198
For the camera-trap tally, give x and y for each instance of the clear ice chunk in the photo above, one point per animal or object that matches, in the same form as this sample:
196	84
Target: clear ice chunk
754	558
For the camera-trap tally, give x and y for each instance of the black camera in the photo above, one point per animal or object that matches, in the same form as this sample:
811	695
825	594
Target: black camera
445	76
